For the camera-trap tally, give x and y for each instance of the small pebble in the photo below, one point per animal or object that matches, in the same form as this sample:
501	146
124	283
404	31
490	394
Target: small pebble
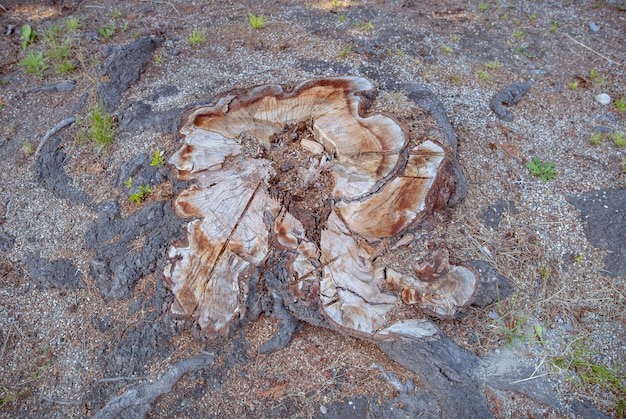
323	409
594	27
603	98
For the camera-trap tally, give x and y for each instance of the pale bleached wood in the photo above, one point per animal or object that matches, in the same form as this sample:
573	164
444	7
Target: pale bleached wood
383	184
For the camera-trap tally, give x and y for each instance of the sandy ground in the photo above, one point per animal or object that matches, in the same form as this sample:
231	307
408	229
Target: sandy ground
66	351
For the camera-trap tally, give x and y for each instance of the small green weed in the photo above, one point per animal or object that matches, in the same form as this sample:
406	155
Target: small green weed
618	138
533	16
554	26
157	158
483	75
256	22
157	58
446	48
579	359
101	127
523	50
196	37
545	171
483	7
596	138
140	194
61	51
596	76
579	259
573	85
620	105
510	323
73	24
65	67
35	64
28	149
28	36
345	51
518	35
129	183
365	26
341	18
116	14
539	331
493	64
106	31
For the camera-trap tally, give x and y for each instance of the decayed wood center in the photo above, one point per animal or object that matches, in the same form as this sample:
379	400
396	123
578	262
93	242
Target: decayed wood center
301	175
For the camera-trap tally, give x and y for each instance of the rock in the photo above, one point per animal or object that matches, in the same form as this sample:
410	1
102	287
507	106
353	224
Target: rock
603	98
122	68
509	96
118	265
54	274
51	173
603	215
6	241
594	27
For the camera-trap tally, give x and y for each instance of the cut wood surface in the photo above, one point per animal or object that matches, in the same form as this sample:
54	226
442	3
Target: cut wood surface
303	172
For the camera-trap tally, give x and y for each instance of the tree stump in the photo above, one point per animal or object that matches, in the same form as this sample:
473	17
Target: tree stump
303	200
299	183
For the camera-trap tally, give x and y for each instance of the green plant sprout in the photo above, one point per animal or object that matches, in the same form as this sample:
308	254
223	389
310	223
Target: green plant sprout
345	51
106	31
157	158
101	127
28	36
596	138
129	183
511	322
620	105
140	194
446	48
493	64
116	14
28	149
596	76
579	359
35	64
554	26
545	171
483	7
573	85
579	258
256	22
73	24
341	17
518	35
366	26
539	331
544	272
157	58
618	138
196	37
483	75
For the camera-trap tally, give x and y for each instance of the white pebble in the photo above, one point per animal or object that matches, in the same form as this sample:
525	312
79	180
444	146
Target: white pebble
603	98
323	409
